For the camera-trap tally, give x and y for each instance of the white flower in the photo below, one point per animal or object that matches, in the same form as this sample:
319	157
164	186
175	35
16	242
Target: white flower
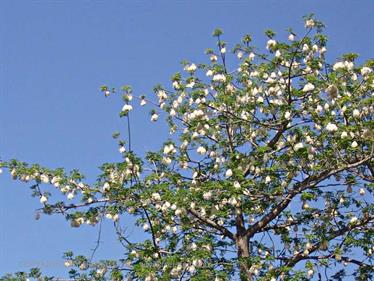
154	117
305	48
251	56
305	206
1	171
161	94
349	65
201	150
271	43
291	37
239	55
191	84
309	23
223	50
43	199
229	173
190	68
278	54
267	179
233	201
44	178
308	87
365	71
143	102
192	269
70	195
55	180
237	184
298	146
169	149
338	65
126	108
260	99
209	73
101	271
122	149
219	78
172	112
176	85
310	272
230	88
207	195
356	113
287	115
156	196
213	58
166	160
106	186
146	227
178	212
319	109
193	246
344	135
354	144
361	191
353	220
331	127
14	173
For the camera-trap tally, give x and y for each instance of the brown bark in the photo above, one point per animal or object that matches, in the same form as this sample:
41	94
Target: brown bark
242	244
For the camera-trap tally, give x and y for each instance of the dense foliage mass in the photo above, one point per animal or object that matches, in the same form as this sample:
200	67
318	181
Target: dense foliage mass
268	174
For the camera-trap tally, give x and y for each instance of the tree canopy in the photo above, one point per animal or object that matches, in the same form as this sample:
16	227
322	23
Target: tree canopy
267	175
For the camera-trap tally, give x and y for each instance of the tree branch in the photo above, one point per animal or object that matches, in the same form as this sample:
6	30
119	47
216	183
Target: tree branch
211	223
299	187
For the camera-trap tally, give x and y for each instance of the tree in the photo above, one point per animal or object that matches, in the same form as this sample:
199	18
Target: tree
268	176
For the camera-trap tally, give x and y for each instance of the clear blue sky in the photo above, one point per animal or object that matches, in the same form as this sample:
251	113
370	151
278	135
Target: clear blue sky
54	56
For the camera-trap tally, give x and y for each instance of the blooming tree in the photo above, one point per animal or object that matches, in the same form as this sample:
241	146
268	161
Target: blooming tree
268	174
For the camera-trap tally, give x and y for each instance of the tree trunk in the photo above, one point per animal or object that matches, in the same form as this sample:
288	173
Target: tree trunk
242	244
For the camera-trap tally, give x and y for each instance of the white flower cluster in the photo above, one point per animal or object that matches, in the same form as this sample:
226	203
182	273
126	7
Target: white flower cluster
270	44
366	71
219	78
196	114
201	150
127	108
161	94
308	87
298	146
169	149
343	65
154	117
190	68
331	127
309	23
